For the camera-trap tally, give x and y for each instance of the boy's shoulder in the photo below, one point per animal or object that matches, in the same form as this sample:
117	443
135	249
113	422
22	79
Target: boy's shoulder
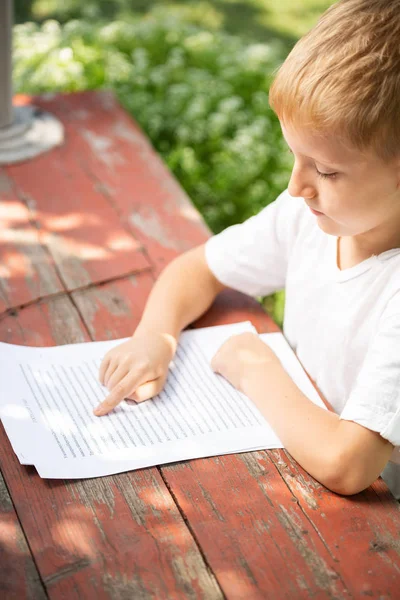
393	278
386	282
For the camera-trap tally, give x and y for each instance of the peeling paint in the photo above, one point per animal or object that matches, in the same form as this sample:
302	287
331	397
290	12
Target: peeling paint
103	147
195	582
71	267
129	587
384	543
140	509
80	115
325	577
6	504
131	135
104	189
29	201
95	491
4	291
41	278
210	502
306	494
5	184
88	302
65	324
151	226
107	99
175	195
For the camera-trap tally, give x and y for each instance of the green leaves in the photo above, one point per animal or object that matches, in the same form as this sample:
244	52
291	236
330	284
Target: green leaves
200	95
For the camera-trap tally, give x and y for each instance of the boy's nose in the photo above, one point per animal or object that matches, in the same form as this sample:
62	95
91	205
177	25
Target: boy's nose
299	187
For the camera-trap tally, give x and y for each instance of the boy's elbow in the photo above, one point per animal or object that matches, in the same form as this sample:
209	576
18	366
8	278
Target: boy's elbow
356	460
346	486
344	478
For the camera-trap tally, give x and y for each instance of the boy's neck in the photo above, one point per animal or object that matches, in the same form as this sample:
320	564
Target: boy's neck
352	251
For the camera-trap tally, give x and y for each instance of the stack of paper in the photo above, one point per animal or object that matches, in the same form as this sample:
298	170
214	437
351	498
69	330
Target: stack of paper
48	396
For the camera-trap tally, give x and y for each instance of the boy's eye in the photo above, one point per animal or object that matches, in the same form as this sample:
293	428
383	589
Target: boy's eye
325	175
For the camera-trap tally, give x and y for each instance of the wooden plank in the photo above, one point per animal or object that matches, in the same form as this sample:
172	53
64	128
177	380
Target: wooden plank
77	223
27	272
114	307
335	546
254	535
49	323
362	532
19	578
129	173
112	537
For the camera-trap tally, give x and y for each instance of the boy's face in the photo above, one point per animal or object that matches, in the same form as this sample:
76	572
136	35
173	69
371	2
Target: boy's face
355	194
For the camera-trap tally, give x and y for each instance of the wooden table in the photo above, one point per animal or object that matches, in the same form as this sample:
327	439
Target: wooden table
85	230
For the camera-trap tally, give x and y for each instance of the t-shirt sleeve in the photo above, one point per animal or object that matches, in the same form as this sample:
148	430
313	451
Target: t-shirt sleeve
374	401
252	257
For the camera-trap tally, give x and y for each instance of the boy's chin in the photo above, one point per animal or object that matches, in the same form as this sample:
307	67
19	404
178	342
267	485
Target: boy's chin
329	227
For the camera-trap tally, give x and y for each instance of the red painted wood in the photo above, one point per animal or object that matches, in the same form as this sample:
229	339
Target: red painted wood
362	532
130	174
234	307
18	574
256	538
112	537
77	223
50	323
114	310
27	272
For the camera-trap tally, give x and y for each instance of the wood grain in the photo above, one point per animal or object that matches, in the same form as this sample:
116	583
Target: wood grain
19	577
79	227
362	532
27	272
129	173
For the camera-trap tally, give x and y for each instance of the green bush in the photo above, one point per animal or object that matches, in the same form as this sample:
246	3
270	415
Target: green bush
200	95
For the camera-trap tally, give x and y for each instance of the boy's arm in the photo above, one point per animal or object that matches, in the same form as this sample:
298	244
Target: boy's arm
182	293
138	367
342	455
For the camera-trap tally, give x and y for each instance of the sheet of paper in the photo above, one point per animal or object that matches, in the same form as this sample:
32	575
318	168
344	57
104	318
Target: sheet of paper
49	394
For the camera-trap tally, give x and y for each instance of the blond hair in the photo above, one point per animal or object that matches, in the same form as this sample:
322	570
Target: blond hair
343	77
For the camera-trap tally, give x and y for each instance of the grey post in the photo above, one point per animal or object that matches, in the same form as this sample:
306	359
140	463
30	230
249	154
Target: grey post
6	21
25	131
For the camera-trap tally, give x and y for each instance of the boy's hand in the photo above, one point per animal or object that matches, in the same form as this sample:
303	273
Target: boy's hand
136	369
243	356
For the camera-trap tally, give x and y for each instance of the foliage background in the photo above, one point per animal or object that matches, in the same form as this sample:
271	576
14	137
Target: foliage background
195	74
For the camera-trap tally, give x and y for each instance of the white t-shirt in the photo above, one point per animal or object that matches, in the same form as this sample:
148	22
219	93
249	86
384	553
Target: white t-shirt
344	325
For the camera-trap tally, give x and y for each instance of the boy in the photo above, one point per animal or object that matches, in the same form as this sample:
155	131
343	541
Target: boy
332	239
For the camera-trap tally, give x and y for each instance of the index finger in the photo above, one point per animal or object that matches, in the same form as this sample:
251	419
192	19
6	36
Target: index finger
122	390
